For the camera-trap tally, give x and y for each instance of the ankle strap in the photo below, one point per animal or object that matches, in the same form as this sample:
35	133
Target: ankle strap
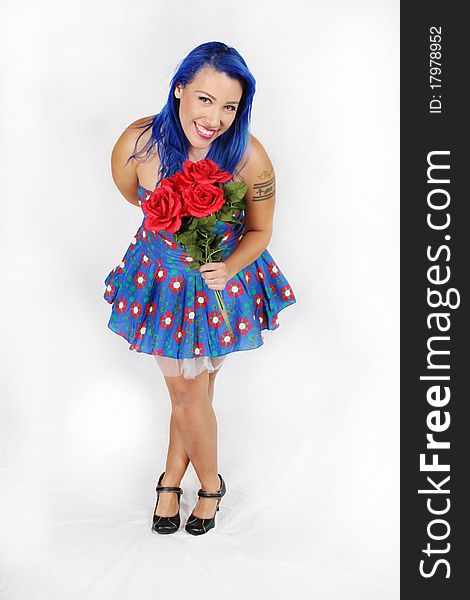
164	488
176	490
217	494
209	494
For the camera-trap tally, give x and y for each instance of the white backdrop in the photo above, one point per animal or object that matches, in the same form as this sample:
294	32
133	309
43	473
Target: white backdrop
308	423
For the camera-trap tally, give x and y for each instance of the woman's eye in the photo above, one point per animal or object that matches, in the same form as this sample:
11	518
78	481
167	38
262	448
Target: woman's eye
229	106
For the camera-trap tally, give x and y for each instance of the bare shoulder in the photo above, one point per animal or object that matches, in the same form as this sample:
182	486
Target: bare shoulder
258	172
123	167
258	151
142	124
133	138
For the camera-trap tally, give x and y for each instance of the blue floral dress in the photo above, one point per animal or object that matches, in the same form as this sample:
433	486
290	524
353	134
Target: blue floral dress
164	308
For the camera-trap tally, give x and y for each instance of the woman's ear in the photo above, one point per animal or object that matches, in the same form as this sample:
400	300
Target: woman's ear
177	90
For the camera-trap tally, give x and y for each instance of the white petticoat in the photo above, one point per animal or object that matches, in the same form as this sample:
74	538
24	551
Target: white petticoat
189	368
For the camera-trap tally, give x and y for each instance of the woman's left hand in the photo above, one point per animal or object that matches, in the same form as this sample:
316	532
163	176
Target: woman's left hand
215	275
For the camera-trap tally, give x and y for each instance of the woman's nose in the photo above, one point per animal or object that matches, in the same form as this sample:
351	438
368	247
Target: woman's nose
213	117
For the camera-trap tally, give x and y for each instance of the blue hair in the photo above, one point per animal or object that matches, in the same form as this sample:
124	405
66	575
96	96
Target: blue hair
167	133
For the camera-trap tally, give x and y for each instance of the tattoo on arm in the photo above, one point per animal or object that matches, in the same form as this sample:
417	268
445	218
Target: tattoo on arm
266	189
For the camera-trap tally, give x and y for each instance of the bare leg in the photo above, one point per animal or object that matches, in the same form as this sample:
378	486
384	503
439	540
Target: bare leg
178	459
205	507
212	377
176	464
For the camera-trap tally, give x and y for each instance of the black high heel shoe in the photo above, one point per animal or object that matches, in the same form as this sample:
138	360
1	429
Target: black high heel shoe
166	524
195	525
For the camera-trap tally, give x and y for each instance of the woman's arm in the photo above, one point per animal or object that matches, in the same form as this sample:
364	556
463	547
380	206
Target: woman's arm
259	176
125	176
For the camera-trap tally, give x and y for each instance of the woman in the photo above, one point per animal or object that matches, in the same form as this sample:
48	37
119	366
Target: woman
164	308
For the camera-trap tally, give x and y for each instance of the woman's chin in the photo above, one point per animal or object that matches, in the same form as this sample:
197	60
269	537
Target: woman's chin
199	144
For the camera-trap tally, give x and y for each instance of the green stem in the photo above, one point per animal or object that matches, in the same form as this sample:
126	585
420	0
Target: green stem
211	253
223	310
218	294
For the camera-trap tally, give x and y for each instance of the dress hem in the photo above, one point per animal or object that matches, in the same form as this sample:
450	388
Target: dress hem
156	353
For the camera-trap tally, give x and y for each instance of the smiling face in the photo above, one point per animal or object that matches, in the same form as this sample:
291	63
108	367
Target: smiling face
208	106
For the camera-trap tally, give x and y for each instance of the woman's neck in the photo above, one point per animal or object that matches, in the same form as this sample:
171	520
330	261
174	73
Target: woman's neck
197	154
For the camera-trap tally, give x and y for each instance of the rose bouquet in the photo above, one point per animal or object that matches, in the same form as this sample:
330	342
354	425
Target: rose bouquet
189	203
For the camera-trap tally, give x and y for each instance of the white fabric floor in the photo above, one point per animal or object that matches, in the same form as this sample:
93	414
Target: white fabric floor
310	510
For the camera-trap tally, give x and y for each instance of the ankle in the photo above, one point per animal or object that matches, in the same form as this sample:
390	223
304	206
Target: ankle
211	484
171	480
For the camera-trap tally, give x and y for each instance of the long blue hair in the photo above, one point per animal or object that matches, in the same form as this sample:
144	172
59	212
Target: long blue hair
167	133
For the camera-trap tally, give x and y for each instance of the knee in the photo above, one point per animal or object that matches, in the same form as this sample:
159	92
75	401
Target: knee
180	395
186	398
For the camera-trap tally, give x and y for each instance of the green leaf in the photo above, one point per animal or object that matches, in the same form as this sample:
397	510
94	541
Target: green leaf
228	211
205	220
230	219
225	218
206	224
195	252
239	204
187	238
235	190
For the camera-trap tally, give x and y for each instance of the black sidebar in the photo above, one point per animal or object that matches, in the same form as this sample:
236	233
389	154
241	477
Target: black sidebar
435	258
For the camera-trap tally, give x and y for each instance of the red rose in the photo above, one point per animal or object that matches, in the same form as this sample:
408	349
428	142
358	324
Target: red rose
203	172
175	182
167	182
203	200
163	210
